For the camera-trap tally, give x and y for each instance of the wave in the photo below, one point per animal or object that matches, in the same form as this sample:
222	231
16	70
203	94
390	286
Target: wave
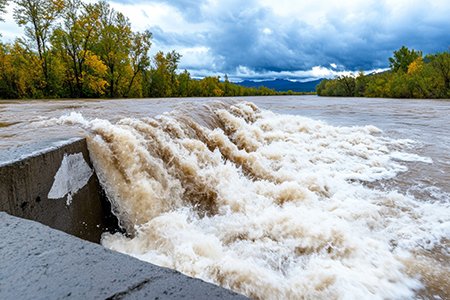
272	206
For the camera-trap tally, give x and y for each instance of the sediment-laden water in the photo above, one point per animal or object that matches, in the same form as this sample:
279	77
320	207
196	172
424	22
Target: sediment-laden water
274	197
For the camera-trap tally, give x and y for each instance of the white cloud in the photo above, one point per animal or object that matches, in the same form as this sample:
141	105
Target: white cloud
10	30
284	38
198	57
156	14
243	72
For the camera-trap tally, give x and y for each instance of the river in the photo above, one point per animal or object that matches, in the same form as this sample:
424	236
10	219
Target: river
281	197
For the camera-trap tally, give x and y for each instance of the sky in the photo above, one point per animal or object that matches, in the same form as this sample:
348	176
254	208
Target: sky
287	39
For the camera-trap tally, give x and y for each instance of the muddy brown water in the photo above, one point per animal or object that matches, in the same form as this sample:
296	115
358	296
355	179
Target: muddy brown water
274	197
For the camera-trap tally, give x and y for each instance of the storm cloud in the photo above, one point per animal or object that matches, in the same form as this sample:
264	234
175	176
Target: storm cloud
249	39
298	40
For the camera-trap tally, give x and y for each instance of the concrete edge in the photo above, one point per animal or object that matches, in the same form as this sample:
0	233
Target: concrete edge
38	262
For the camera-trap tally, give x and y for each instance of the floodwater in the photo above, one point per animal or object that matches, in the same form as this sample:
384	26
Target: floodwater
293	197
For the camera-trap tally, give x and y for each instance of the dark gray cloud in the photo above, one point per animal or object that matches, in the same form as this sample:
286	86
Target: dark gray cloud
244	34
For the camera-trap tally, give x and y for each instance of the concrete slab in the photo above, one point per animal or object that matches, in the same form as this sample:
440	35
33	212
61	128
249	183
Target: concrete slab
38	262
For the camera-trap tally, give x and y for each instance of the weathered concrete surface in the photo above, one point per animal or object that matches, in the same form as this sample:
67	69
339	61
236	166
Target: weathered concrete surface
29	173
37	262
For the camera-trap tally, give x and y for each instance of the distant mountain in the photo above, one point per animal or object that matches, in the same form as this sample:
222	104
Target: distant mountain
282	85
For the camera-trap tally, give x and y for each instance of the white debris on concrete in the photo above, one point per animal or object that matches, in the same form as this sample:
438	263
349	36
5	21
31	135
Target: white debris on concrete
73	174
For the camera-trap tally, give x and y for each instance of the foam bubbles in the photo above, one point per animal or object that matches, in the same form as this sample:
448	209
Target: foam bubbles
272	206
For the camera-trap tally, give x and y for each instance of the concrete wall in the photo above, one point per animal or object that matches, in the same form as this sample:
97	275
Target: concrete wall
53	182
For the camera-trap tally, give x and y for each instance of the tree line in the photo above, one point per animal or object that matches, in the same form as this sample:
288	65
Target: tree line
411	75
76	50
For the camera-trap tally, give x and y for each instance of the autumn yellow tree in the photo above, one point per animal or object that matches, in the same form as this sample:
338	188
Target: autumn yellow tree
13	81
74	41
20	73
139	59
418	79
113	47
38	18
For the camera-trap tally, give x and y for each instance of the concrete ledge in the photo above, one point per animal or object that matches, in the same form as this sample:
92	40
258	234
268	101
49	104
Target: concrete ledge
37	262
53	182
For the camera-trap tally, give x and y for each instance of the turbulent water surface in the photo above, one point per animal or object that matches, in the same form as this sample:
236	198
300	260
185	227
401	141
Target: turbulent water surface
272	197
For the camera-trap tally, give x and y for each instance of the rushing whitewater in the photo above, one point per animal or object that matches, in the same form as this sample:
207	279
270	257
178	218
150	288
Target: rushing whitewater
272	206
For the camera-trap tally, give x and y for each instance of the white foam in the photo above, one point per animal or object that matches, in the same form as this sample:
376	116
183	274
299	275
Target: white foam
272	206
410	157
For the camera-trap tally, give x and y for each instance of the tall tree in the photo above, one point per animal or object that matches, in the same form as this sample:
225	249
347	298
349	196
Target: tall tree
160	76
75	40
172	58
346	85
139	59
113	46
441	65
361	82
38	17
184	89
164	81
403	58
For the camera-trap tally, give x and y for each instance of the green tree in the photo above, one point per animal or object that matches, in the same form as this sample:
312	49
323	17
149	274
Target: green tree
346	85
361	83
139	59
226	86
321	87
185	88
440	63
163	78
75	40
20	74
113	47
266	91
160	76
403	58
197	90
38	17
173	59
9	88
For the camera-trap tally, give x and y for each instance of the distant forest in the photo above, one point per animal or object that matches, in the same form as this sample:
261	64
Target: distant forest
76	50
411	75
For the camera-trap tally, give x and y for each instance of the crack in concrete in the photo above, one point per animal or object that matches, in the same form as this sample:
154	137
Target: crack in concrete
134	288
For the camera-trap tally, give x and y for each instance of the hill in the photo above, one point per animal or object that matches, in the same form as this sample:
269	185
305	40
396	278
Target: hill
282	85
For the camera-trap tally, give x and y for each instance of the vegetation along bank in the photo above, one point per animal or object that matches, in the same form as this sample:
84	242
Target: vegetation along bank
76	50
411	75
